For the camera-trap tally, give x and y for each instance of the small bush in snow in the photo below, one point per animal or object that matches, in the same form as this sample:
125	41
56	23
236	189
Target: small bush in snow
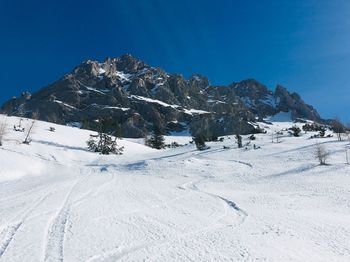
322	132
52	129
199	140
174	145
259	130
18	128
3	126
321	154
295	131
252	137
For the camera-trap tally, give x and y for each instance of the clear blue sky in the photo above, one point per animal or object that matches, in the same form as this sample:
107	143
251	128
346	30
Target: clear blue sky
301	44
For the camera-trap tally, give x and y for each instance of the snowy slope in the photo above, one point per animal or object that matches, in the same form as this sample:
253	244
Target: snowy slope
60	202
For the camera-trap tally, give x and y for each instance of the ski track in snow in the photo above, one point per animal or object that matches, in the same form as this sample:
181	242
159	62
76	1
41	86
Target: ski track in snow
55	236
194	186
63	203
8	234
54	247
120	252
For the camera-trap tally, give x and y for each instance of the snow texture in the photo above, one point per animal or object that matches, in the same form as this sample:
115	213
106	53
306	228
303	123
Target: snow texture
60	202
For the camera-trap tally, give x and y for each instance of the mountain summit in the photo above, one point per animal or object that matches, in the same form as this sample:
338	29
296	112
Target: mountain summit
136	96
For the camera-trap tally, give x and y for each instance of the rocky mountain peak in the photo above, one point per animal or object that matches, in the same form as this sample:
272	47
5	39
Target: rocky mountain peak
199	81
251	88
127	64
286	101
136	96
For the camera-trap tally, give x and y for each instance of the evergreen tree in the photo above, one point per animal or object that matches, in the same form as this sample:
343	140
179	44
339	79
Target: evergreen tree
157	138
103	142
199	140
239	141
295	130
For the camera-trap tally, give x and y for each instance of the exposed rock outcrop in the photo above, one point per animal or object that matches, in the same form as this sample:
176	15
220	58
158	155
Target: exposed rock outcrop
135	96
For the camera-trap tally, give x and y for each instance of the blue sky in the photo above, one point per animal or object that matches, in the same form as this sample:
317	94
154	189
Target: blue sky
301	44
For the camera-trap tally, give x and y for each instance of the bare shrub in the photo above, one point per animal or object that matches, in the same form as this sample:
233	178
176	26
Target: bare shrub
321	154
338	128
30	129
3	129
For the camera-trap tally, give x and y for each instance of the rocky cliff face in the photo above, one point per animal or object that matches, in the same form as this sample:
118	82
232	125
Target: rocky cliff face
135	96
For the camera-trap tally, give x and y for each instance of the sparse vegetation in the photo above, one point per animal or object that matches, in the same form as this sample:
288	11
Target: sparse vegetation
321	134
28	139
199	140
259	130
321	154
313	127
276	136
19	127
173	145
3	127
252	137
295	131
338	128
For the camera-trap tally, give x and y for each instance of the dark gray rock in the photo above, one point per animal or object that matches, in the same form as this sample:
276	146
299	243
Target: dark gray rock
286	101
135	96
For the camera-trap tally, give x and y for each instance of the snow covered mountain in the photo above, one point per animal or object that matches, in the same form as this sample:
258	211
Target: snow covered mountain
60	202
136	96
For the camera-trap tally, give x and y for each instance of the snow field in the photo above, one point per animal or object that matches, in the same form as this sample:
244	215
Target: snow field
60	202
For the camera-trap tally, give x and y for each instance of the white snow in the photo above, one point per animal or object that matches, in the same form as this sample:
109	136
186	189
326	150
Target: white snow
65	104
117	108
60	202
196	111
187	111
101	71
123	76
102	92
150	100
215	101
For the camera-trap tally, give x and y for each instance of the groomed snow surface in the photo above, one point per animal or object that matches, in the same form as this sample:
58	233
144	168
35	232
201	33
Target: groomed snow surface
60	202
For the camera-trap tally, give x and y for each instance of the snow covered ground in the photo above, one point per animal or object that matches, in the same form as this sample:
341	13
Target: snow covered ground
60	202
